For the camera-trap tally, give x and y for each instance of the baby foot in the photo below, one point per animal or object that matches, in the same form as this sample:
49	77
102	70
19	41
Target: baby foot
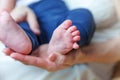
64	38
13	36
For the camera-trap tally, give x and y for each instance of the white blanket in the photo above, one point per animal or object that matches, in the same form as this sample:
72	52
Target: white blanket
105	16
14	70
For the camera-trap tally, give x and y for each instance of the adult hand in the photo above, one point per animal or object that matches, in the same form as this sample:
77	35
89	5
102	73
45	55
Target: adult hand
23	13
102	52
40	58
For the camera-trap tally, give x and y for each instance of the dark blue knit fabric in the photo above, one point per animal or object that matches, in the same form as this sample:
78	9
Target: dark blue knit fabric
51	13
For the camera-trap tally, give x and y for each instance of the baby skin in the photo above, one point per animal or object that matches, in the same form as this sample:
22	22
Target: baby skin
64	38
13	36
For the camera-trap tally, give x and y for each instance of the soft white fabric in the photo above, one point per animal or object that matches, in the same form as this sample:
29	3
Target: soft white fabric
14	70
107	27
25	2
103	10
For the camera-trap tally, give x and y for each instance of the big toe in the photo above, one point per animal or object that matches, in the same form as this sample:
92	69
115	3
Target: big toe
66	24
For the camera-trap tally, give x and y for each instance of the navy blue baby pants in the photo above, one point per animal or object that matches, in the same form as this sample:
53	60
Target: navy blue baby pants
51	13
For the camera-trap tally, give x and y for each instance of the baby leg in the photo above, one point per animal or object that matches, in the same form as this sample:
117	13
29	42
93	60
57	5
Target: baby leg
83	20
13	36
64	38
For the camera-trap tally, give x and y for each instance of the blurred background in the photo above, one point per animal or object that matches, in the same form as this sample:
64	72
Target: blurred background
107	16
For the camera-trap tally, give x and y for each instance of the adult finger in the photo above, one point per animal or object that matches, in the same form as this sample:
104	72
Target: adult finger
32	60
7	51
57	58
62	61
68	59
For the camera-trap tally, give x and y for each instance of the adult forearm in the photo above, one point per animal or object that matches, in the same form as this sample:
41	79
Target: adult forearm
7	5
104	52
